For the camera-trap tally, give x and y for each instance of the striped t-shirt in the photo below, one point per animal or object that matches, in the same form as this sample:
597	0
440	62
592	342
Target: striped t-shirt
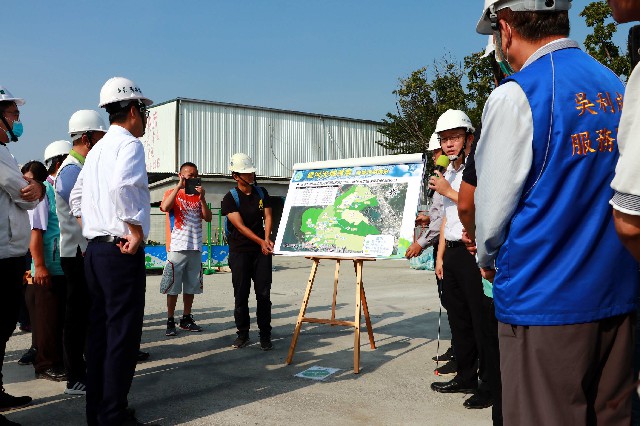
185	222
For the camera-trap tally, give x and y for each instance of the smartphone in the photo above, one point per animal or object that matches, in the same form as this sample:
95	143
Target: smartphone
190	185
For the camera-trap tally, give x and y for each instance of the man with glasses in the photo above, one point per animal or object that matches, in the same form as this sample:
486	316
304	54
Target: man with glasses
462	282
112	197
17	195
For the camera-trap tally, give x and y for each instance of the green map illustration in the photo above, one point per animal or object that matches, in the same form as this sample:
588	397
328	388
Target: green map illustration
341	226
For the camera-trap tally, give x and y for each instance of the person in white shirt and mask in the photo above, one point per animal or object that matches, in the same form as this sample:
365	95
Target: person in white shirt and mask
111	196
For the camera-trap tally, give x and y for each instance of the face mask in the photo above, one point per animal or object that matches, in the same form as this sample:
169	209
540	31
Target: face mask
504	65
17	129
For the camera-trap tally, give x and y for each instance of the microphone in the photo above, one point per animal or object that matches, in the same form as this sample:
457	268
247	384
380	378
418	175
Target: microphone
441	165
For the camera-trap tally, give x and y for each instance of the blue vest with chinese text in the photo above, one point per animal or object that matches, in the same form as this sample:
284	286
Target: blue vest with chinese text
562	262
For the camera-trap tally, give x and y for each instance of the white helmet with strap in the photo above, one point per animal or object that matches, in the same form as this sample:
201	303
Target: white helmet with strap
5	95
241	163
434	142
121	89
454	119
489	20
55	149
85	120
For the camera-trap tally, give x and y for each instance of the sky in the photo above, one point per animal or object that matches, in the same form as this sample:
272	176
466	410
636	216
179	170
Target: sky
334	57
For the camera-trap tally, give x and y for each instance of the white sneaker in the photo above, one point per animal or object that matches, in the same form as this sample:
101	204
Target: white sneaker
75	388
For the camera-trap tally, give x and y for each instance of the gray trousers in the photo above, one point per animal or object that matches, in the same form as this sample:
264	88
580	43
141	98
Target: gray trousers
566	375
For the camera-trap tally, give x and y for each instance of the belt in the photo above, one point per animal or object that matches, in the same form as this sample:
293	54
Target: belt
452	244
105	239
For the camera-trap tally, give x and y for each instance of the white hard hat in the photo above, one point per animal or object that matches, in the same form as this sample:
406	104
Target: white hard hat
490	47
454	119
241	163
86	120
118	89
492	6
55	149
434	142
5	95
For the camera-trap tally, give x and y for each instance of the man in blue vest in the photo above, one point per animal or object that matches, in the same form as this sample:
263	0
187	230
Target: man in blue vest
565	288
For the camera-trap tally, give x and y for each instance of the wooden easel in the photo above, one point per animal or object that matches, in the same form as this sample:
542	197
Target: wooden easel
361	300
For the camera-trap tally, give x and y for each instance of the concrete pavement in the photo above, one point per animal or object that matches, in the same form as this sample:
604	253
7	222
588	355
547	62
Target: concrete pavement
198	379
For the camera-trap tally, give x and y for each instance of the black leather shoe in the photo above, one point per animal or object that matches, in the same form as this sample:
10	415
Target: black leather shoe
479	400
452	386
53	374
143	356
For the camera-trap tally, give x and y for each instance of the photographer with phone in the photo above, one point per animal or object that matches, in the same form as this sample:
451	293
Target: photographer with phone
185	206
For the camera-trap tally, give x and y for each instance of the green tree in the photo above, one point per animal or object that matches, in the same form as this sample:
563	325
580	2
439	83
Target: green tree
599	44
420	99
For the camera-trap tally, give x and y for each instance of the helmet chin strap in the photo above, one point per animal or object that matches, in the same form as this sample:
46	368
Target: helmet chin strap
250	184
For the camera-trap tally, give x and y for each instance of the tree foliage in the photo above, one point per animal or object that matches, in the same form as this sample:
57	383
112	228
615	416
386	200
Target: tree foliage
423	96
599	43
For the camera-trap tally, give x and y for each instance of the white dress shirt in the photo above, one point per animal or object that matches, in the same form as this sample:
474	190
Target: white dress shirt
453	226
112	189
504	156
626	182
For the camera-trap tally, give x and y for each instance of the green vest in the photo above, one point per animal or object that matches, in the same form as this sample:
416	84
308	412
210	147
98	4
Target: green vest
51	237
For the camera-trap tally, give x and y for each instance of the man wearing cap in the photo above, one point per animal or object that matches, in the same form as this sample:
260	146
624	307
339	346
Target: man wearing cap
48	278
86	128
112	197
249	220
17	195
564	287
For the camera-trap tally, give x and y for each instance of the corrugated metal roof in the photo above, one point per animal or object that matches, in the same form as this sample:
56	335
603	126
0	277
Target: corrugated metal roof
210	132
202	101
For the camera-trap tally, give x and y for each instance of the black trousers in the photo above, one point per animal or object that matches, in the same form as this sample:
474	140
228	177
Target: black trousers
462	296
491	350
116	285
247	266
12	270
50	308
76	319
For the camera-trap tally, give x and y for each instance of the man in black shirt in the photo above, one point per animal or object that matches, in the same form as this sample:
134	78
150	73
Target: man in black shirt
249	219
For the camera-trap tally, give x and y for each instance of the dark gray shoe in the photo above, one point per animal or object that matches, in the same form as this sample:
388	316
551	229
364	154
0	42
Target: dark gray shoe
241	341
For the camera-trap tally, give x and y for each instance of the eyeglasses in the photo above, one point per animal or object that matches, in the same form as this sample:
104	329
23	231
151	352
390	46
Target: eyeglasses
453	138
15	113
143	110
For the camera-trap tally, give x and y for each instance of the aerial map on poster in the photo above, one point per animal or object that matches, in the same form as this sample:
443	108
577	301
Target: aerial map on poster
364	207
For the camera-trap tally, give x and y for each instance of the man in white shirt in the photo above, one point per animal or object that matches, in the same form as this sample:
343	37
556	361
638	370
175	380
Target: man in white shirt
626	183
462	286
16	197
112	197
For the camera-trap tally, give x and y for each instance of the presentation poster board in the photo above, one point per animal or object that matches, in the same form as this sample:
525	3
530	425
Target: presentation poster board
360	207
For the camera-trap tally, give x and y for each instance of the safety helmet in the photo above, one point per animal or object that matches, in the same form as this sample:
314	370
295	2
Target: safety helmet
241	163
119	89
5	95
454	119
85	120
55	149
491	47
434	142
492	6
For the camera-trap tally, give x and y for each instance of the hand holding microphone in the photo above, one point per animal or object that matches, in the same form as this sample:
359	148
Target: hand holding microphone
441	166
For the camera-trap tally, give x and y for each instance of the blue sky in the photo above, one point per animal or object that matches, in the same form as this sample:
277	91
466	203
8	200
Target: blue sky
329	57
